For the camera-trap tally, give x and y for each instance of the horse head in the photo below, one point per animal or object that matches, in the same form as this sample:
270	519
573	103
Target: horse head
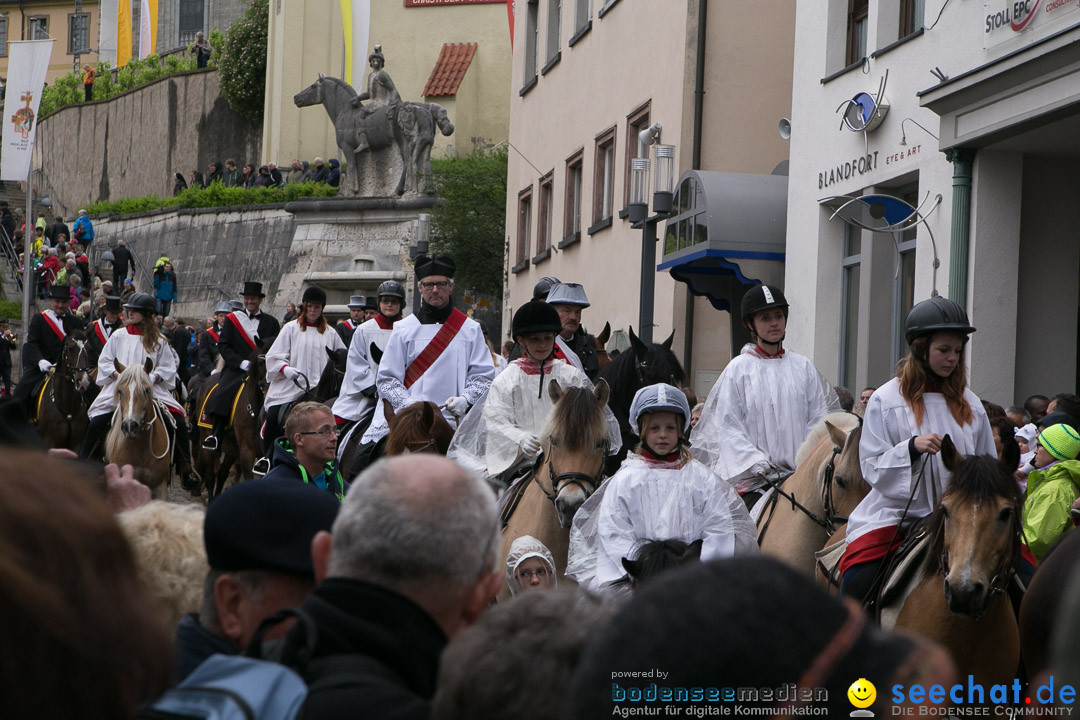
655	363
134	397
311	95
420	427
654	557
438	112
75	362
842	482
333	373
976	529
575	446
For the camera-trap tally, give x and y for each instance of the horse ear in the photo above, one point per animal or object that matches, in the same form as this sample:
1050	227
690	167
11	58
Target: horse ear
555	391
330	354
632	567
667	343
388	410
604	336
601	391
636	344
693	550
376	353
950	455
427	415
839	437
1010	455
148	365
321	76
119	366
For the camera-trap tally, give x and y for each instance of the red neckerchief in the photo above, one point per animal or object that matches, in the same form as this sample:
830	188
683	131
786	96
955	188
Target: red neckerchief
756	351
650	457
385	324
531	367
134	330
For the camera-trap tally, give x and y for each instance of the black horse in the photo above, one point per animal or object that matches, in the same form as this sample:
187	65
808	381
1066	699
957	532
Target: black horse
639	366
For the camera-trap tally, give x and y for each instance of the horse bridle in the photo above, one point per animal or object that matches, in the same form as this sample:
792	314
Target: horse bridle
262	386
1005	569
559	481
309	393
828	523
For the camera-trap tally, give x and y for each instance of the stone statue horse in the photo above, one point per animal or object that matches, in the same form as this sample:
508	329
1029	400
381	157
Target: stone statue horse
418	122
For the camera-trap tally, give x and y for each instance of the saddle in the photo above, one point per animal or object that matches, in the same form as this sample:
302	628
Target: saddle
510	499
207	422
904	572
37	396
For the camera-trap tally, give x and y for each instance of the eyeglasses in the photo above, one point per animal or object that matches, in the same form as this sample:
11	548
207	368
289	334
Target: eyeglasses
527	574
325	431
441	284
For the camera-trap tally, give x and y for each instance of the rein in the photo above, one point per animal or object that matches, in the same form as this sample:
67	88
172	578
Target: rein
777	485
559	481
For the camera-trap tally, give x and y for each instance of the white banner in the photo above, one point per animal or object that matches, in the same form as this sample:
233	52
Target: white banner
28	61
107	31
356	21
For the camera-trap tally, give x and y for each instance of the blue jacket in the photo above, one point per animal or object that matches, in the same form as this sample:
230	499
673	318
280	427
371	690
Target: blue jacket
283	464
194	643
87	229
165	287
333	179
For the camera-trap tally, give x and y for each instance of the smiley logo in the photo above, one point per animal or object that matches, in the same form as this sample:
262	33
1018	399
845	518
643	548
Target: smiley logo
862	693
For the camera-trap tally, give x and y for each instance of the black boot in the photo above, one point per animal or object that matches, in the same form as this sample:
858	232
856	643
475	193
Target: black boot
182	458
95	431
212	442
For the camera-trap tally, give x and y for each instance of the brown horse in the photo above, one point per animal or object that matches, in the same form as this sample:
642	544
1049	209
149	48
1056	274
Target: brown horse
62	418
1042	607
570	468
419	427
603	357
139	436
815	500
961	600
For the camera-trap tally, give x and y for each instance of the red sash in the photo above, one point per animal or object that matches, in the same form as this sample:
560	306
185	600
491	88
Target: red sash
58	330
214	334
241	330
348	324
98	332
435	347
557	352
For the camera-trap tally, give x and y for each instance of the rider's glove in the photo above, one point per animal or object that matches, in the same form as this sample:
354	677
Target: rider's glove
44	365
245	364
290	373
457	406
530	446
154	377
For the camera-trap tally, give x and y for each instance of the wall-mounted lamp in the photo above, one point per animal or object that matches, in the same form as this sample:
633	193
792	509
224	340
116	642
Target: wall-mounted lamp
903	133
638	213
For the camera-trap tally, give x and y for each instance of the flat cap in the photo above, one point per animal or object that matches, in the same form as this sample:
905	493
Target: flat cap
267	524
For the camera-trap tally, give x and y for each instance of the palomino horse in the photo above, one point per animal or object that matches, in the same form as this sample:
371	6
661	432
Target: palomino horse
419	427
241	445
961	600
139	436
62	417
568	471
815	500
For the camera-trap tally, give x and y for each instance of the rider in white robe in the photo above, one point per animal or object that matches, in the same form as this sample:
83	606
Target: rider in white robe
357	397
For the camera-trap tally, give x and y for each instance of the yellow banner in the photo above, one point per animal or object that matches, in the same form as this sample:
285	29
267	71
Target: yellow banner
123	33
347	26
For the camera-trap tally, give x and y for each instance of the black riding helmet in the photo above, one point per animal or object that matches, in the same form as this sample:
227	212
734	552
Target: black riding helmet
535	316
392	288
543	287
761	297
934	315
142	302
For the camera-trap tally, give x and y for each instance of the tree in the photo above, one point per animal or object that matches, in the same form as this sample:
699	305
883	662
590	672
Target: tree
470	224
243	62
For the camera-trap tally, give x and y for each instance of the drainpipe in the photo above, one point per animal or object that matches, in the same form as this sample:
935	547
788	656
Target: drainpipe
962	160
695	163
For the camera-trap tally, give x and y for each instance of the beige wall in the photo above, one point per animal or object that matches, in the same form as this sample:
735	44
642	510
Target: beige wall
305	40
61	62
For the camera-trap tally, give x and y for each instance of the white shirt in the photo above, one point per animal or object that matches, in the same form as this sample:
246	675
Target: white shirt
127	347
305	351
361	371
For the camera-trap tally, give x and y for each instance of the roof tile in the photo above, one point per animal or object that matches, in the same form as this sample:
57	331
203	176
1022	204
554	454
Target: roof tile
449	70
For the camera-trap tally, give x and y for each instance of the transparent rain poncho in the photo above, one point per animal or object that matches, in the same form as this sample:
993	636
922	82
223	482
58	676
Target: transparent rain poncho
492	437
522	549
662	501
758	414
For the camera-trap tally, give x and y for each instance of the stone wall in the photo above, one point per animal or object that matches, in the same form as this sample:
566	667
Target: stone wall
130	145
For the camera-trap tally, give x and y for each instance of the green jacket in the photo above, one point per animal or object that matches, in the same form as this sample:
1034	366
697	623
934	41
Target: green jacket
1050	494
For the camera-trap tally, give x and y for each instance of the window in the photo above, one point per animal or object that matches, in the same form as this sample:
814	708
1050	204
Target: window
37	28
190	20
604	178
532	39
858	20
78	33
911	16
849	311
572	205
904	297
635	123
543	230
582	12
554	19
3	36
524	226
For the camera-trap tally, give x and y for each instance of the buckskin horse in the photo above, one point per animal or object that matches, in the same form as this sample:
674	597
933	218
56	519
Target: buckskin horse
63	402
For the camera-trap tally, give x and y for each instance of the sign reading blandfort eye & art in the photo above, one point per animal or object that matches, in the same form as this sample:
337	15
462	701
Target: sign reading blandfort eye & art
432	3
1020	22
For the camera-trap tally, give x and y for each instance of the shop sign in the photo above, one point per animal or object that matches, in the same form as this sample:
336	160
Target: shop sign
1022	22
434	3
848	169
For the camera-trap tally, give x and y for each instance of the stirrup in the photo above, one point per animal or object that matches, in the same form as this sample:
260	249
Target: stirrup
261	467
210	443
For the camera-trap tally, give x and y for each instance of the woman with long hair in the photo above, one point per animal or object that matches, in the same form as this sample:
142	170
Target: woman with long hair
179	184
905	421
140	340
294	364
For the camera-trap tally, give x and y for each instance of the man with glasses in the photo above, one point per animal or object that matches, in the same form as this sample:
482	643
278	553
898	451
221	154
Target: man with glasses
306	453
437	355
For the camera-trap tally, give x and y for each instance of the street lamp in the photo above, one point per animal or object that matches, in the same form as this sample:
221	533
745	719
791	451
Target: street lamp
421	232
638	212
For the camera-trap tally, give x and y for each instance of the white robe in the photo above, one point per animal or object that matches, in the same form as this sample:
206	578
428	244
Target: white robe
128	349
888	425
759	412
305	351
643	502
463	369
516	408
361	370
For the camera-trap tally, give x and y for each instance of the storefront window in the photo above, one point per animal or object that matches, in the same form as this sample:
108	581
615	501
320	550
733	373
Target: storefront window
849	313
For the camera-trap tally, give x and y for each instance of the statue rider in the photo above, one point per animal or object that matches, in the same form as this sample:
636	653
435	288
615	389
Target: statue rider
381	90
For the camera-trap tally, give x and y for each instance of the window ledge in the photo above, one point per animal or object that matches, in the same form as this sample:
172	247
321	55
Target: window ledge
607	8
581	32
529	85
910	36
842	71
541	257
574	237
551	63
603	224
520	266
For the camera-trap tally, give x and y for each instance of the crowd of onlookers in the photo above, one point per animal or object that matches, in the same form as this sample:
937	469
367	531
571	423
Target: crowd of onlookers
268	175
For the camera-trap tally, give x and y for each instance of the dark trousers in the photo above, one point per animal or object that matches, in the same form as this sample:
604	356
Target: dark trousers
118	280
275	426
95	432
88	91
861	581
5	378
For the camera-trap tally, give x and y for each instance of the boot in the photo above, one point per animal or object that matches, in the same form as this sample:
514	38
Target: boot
211	442
182	458
95	431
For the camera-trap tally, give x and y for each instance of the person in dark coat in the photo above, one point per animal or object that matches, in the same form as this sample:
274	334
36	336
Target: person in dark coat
101	330
333	178
346	328
8	343
122	260
179	184
307	451
397	604
179	337
242	333
214	174
44	342
7	221
60	230
320	171
208	340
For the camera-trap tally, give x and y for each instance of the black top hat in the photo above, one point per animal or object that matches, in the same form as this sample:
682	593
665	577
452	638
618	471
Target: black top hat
253	288
59	292
371	302
441	265
112	304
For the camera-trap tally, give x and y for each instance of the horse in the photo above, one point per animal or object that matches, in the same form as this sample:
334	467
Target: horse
329	385
1042	607
975	535
568	471
62	417
603	357
241	444
655	557
418	122
139	436
419	427
814	501
632	370
379	130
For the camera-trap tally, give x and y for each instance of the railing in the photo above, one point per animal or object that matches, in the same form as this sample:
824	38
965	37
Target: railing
12	257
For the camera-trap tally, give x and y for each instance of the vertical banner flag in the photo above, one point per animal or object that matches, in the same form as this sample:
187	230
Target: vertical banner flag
107	32
510	17
123	33
148	28
28	61
356	22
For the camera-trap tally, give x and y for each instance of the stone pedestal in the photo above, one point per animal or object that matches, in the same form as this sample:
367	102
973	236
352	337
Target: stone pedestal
349	246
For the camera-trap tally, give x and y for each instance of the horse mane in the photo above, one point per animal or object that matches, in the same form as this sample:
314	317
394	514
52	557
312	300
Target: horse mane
978	479
842	420
341	84
577	419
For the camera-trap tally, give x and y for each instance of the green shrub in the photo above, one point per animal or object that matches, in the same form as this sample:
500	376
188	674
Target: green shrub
243	62
10	309
217	195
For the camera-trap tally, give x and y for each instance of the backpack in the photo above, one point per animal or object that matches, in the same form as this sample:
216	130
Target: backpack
232	687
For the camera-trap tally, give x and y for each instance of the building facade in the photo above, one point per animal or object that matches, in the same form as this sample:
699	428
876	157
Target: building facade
934	150
588	78
73	26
